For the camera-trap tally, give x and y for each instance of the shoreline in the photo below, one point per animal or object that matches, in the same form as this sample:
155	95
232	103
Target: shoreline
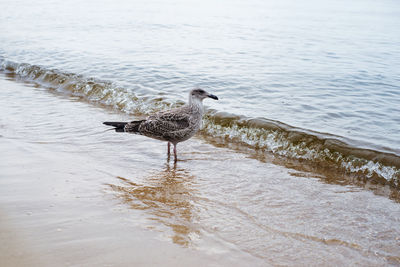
78	194
347	155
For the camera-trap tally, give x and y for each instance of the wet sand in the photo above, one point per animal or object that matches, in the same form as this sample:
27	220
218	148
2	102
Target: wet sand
74	194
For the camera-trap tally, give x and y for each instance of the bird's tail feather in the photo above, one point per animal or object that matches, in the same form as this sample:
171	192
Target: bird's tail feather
119	126
130	127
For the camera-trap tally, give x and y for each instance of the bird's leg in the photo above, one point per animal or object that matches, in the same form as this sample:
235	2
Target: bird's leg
169	149
175	155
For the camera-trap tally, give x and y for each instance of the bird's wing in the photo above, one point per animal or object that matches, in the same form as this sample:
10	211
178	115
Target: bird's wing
163	123
176	114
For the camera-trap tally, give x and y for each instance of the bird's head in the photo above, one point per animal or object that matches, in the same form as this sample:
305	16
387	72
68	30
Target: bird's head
201	94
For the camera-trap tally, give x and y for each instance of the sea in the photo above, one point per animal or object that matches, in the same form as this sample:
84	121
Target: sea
313	81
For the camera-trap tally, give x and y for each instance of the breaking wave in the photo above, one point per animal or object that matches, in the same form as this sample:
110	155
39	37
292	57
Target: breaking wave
258	133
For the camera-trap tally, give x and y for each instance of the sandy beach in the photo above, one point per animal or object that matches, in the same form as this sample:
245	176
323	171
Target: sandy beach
73	193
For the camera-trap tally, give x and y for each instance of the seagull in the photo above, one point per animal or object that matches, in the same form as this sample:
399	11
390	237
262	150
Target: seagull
174	126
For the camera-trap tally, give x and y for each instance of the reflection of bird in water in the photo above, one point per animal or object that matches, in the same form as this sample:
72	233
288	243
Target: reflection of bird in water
167	197
173	126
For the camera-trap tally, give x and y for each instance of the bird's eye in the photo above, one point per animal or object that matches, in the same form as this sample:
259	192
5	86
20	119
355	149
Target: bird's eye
198	92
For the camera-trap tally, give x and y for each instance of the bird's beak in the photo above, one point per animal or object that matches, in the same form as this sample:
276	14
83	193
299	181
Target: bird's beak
213	96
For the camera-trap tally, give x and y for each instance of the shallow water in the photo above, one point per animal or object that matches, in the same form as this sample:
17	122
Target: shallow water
86	195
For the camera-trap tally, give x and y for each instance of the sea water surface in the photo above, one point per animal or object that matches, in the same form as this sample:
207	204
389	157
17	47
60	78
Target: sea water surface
327	69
